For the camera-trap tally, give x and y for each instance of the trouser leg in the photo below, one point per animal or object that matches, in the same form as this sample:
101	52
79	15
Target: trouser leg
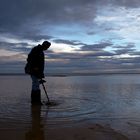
36	92
35	97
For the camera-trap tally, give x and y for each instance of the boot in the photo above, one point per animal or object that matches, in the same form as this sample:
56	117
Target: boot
36	97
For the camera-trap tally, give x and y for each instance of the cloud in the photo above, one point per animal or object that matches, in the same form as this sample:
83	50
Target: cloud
128	49
96	47
13	48
29	15
42	19
118	22
69	42
85	35
127	3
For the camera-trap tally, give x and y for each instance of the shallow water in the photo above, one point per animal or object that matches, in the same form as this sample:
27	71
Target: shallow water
112	100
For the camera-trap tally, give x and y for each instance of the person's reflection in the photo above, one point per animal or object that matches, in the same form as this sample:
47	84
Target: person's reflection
37	129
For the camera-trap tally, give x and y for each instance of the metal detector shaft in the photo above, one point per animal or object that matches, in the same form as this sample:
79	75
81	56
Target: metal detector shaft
46	92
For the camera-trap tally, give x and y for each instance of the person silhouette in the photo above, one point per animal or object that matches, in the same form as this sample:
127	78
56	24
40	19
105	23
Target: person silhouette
35	68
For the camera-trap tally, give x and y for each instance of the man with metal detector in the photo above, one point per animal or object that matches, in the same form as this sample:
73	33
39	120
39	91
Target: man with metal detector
35	68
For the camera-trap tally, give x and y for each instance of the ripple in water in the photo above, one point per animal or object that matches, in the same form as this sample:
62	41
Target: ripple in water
78	99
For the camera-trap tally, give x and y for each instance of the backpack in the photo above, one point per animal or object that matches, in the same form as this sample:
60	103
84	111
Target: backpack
27	69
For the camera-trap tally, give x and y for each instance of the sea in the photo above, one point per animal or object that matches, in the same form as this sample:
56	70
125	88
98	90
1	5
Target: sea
112	100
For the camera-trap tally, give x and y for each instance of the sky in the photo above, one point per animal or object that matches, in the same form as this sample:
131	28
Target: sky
87	36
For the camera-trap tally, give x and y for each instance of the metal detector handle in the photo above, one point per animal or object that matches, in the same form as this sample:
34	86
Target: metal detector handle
45	91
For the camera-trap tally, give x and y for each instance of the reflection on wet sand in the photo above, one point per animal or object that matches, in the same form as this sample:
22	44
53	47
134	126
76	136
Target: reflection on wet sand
36	132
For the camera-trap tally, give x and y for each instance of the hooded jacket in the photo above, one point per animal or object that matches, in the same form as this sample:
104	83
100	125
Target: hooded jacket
35	62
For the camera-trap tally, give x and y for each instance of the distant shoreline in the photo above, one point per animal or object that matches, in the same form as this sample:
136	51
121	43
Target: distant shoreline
68	74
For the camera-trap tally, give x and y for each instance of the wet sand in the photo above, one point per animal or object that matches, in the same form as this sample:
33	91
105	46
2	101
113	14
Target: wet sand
92	132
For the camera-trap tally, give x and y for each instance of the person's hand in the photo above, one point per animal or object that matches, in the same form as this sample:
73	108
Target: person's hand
42	81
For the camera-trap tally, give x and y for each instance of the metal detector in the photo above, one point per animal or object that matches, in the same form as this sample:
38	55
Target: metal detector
42	82
49	103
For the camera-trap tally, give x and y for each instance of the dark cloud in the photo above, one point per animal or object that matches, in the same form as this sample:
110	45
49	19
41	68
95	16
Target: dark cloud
35	36
136	53
27	15
9	67
69	42
128	46
94	64
125	51
126	3
128	49
16	15
25	18
96	47
79	55
15	47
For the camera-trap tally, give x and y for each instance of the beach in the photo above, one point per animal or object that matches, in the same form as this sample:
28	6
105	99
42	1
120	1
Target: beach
99	107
